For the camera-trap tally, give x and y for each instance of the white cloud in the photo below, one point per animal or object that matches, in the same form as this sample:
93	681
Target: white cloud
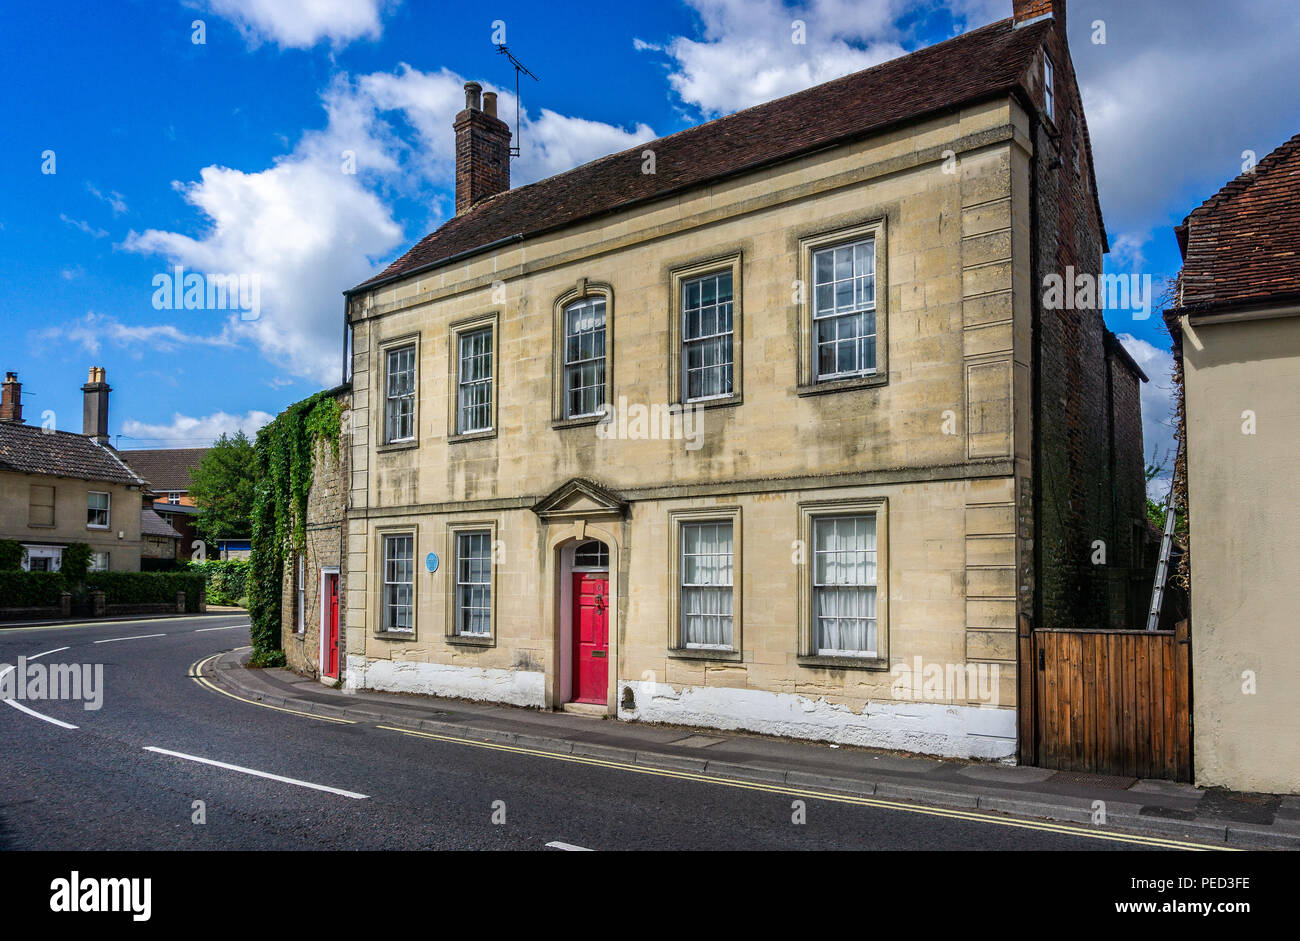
185	431
93	231
116	201
93	330
1174	98
301	24
308	230
1158	420
748	52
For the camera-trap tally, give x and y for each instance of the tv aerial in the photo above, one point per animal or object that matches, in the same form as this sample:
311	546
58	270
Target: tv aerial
519	67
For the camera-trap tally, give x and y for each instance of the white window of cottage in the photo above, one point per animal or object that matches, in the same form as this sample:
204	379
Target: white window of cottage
399	571
474	383
844	310
584	358
97	507
1049	88
707	596
98	562
707	337
400	406
844	586
474	583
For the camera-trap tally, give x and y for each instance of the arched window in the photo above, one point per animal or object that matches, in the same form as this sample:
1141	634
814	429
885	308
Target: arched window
584	358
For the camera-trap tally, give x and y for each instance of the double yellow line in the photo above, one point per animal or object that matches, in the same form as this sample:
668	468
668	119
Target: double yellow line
196	674
970	816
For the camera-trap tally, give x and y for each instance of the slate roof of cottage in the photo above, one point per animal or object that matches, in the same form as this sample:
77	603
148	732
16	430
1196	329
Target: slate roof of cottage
975	66
165	468
1242	245
30	449
151	524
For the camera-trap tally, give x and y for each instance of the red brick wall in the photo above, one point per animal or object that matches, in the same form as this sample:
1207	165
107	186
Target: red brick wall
482	158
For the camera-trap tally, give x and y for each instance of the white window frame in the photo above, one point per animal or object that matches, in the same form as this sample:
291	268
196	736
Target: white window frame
456	401
389	625
600	363
106	509
860	309
819	588
301	626
94	557
1049	88
704	341
678	645
463	584
399	406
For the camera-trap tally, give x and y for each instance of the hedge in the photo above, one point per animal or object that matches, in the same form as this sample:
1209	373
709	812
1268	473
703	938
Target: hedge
31	589
227	580
148	587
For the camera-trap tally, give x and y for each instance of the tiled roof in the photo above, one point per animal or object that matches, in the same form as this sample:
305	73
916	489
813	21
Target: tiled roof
971	67
165	468
29	449
1243	243
151	524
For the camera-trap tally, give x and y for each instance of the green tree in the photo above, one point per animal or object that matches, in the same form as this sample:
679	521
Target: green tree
222	487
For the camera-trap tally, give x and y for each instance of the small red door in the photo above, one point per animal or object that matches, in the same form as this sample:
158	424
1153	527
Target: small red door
590	637
332	626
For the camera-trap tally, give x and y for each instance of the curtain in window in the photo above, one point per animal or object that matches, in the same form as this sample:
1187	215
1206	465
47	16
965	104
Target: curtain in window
707	336
844	580
584	358
706	573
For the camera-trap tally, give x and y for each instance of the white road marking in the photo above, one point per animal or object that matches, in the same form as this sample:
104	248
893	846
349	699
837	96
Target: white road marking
557	845
32	712
230	628
55	650
255	773
61	625
114	640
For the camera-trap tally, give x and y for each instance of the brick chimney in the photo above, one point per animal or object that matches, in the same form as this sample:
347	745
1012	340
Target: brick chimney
94	411
11	399
1026	11
482	150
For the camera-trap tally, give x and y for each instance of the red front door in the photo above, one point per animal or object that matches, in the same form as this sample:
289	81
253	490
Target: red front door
331	626
590	637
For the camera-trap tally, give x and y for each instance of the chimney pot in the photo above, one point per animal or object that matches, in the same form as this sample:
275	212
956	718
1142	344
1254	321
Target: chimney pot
472	90
94	410
11	399
490	103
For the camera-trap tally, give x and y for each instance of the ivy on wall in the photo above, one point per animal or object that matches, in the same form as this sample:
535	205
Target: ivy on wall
283	453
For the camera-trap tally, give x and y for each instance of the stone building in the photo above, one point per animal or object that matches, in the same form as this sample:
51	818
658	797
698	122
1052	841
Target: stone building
762	425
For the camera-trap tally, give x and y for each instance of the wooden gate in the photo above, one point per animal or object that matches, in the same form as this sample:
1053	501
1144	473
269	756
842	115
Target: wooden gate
1108	702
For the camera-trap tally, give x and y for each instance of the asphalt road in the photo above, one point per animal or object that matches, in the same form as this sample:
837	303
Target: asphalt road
99	786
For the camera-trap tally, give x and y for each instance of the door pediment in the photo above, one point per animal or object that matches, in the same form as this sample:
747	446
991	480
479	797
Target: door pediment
580	498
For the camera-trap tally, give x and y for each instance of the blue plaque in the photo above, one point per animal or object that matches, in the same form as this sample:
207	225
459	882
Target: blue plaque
431	561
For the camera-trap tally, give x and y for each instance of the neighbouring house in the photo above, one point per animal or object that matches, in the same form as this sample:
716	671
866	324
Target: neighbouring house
59	488
168	472
762	425
1236	336
159	543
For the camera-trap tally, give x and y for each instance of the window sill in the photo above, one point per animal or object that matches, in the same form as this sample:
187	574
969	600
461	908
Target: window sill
397	445
100	528
817	661
41	526
394	635
700	653
472	436
582	421
470	640
721	401
842	385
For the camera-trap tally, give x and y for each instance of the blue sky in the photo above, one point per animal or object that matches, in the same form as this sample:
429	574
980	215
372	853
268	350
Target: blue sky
224	156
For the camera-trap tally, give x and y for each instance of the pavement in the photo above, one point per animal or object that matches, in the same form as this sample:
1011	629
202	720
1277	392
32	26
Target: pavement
1150	807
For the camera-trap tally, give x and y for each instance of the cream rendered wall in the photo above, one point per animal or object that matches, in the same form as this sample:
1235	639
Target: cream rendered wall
1245	551
70	516
942	439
